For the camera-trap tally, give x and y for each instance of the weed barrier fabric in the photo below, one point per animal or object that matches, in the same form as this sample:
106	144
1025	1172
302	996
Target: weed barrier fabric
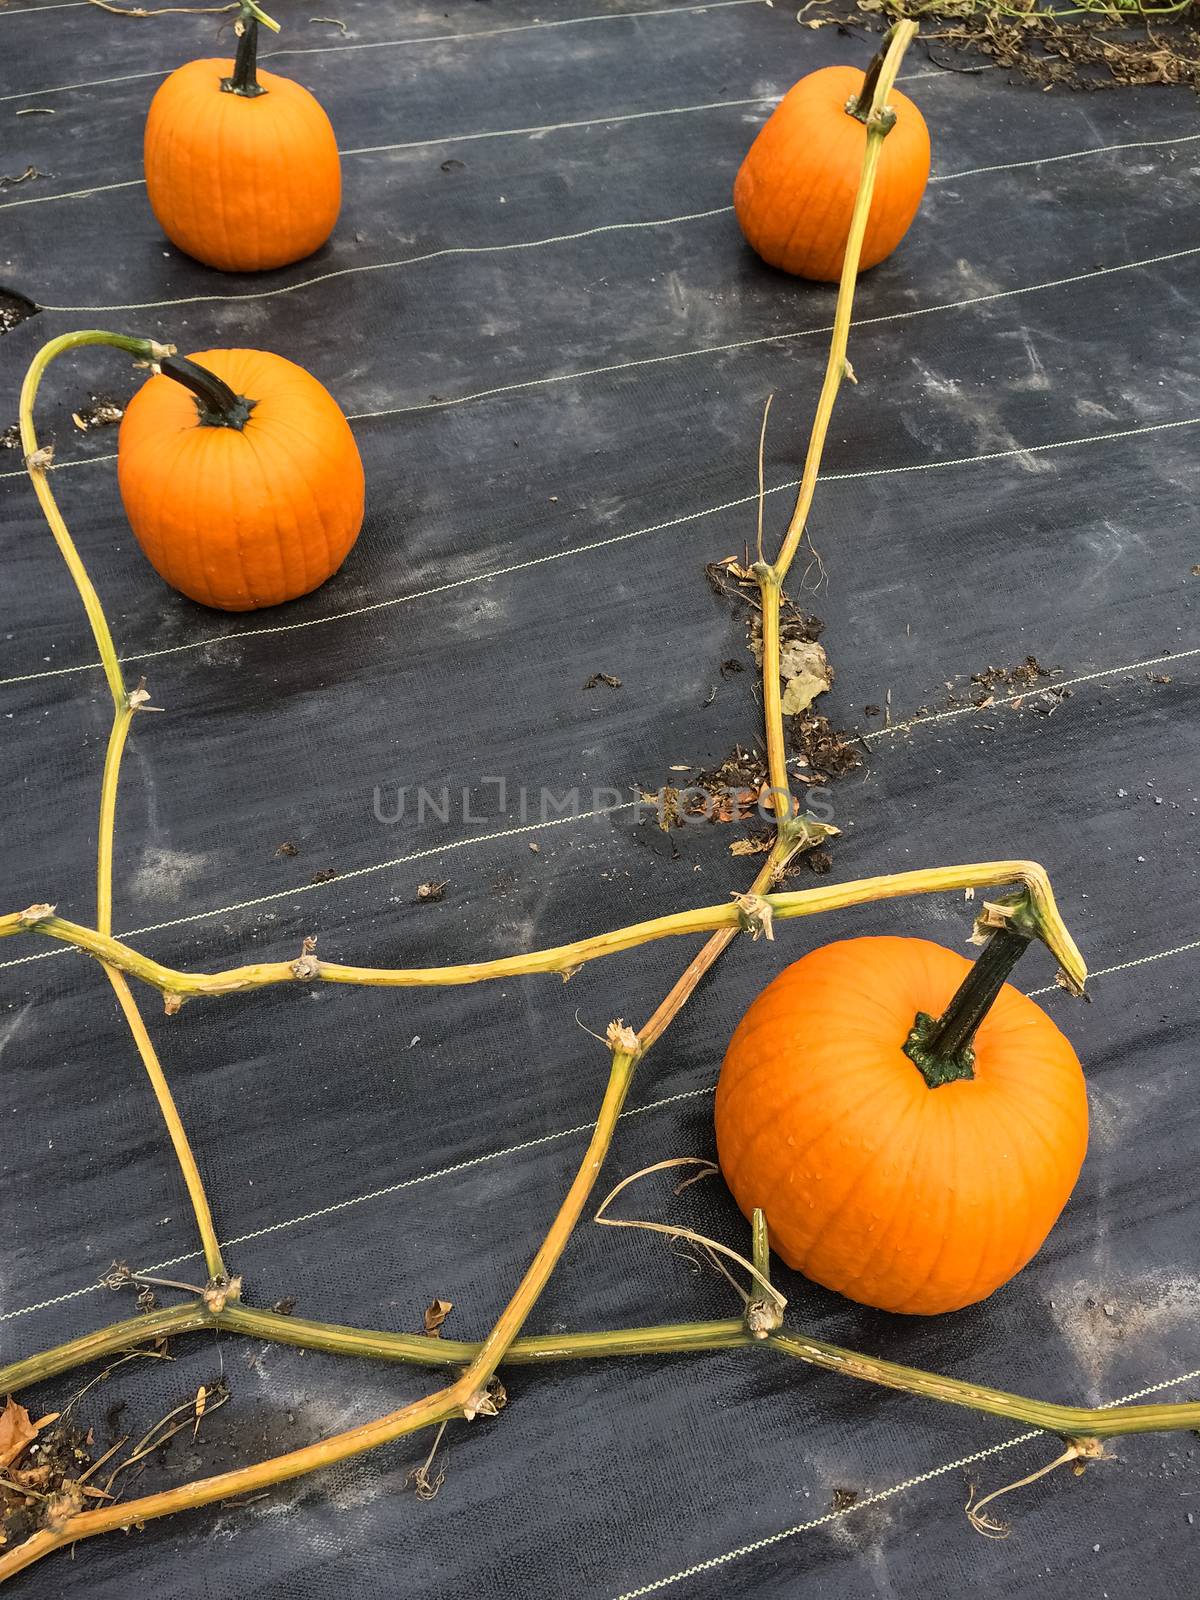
555	348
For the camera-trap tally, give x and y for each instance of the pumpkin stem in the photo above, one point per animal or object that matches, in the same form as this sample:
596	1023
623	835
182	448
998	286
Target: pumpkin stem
218	405
244	79
859	105
940	1047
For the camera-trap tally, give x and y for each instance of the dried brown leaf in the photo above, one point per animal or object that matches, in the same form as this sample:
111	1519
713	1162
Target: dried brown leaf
750	847
17	1432
436	1313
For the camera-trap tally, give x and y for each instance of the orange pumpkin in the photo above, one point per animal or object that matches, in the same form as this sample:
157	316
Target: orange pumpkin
242	167
795	191
911	1164
240	478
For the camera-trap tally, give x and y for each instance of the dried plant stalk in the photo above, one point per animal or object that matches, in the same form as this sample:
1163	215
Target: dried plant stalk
727	917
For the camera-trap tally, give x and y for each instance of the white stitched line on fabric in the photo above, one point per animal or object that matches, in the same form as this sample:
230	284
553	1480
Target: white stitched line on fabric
492	33
91	83
36	11
345	877
381	605
616	538
710	105
551	127
506	133
529	1144
774	338
422	144
410	261
719	349
73	194
874	1499
1006	455
555	127
1028	694
1121	966
397	44
375	1194
533	827
1070	155
561	127
62	466
489	249
714	1562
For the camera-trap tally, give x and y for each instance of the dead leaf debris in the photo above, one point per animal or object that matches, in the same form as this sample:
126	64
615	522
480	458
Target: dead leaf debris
436	1313
101	413
1087	49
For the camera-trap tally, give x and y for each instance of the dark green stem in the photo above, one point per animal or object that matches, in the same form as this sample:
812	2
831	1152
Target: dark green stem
244	80
218	405
941	1046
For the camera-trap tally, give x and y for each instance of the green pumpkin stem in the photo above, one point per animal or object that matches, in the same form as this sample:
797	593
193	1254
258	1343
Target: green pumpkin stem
218	405
244	78
941	1047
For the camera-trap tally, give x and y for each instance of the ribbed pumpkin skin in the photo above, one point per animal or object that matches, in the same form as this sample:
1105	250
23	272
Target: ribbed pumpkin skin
242	519
241	183
794	193
900	1196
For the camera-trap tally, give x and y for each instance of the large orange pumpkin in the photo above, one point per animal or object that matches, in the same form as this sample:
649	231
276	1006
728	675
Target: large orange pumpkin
240	478
911	1182
242	167
795	191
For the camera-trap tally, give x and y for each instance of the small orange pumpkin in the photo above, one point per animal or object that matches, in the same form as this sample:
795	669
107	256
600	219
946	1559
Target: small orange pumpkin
897	1161
240	478
242	167
794	193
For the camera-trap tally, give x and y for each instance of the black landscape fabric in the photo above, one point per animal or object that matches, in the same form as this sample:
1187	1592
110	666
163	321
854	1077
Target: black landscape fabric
554	347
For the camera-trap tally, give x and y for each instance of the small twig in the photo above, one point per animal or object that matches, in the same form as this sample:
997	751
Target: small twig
167	1283
762	490
674	1232
140	12
718	1266
8	180
20	1488
149	1443
423	1485
100	1460
1077	1449
334	22
121	1276
132	1355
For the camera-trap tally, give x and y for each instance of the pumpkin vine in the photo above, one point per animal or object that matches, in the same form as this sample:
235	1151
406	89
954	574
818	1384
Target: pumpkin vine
216	1304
